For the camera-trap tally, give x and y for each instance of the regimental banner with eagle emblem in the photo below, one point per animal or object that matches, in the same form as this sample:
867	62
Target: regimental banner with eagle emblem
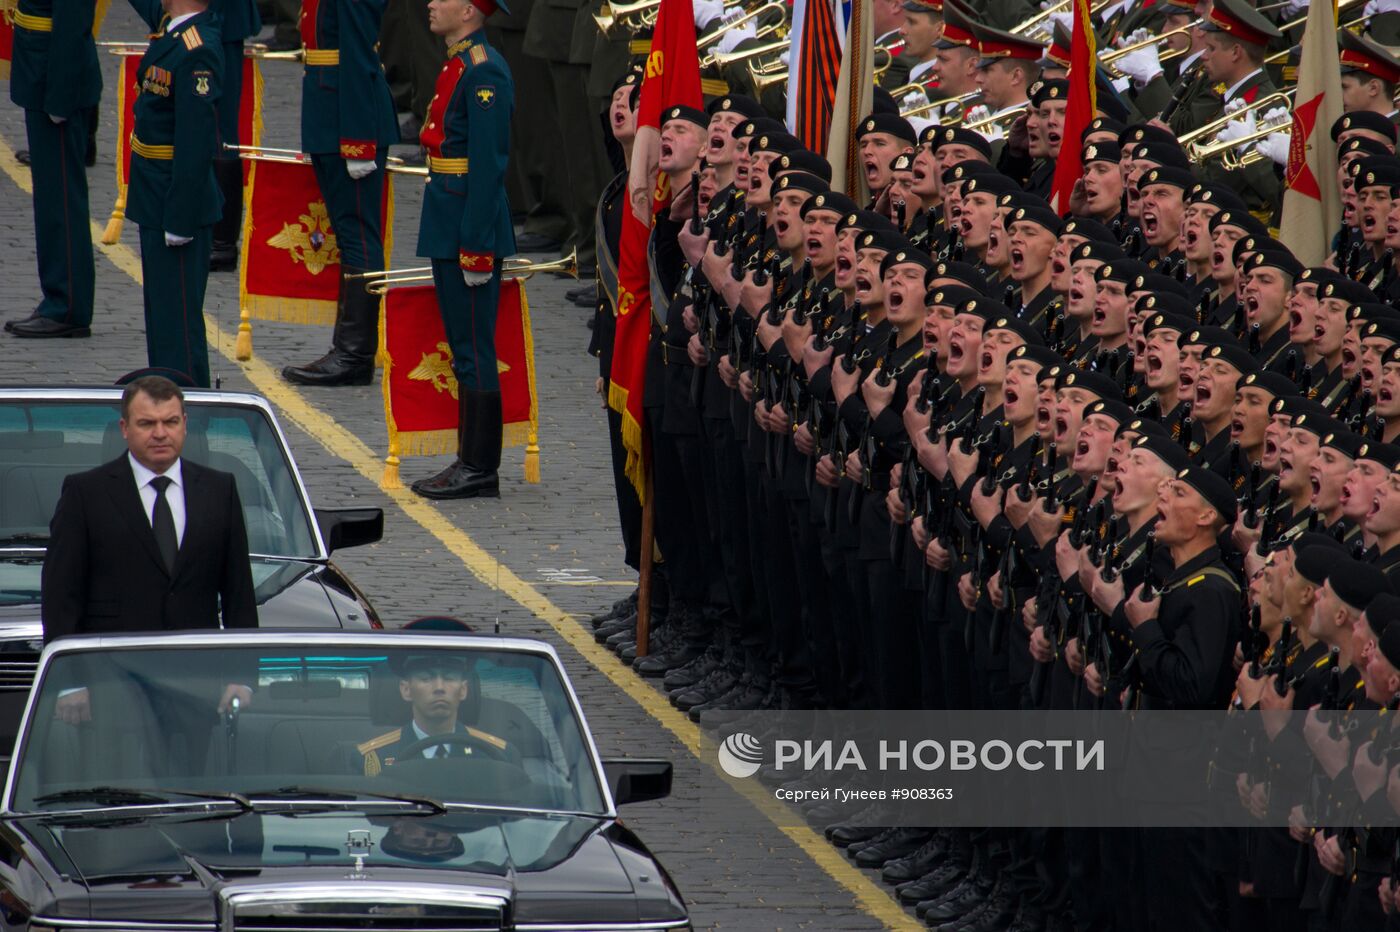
289	268
420	391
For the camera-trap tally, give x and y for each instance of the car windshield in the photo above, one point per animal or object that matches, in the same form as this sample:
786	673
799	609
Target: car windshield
416	727
43	441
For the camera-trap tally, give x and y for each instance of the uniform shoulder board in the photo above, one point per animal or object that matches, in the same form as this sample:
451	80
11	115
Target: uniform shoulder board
191	38
477	54
384	740
1195	579
499	743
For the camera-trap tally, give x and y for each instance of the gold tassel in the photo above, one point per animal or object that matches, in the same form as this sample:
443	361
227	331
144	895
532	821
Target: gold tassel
390	479
532	459
243	346
113	233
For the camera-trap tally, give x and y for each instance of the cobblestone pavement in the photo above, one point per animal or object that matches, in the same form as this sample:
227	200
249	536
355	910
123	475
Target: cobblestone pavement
737	868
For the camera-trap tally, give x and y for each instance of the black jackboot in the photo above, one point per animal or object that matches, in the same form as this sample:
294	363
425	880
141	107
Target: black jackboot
354	342
473	475
223	252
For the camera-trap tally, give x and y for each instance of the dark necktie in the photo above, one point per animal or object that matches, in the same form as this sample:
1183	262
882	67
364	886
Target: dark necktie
163	523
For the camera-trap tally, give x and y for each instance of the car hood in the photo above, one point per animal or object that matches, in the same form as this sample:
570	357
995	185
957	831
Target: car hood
290	594
557	868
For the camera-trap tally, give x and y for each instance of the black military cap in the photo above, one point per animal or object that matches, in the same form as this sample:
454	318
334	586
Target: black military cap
1274	258
802	160
865	221
1384	609
689	114
1168	175
996	184
884	240
954	296
940	136
908	254
1206	335
1319	275
1104	124
1388	642
1364	119
1240	219
780	143
1275	383
1344	442
1382	328
1362	145
1252	243
1320	426
996	45
800	182
1213	488
1097	252
1376	170
736	103
1014	324
1315	562
1391	355
1123	270
1102	152
405	663
1054	89
1091	381
1145	427
1164	448
1165	302
1387	454
1043	356
1110	408
1344	289
1216	194
1146	132
1161	154
904	162
1089	228
985	308
1357	583
1368	311
1166	320
1158	284
833	201
1034	213
757	127
1234	354
1296	406
964	272
891	123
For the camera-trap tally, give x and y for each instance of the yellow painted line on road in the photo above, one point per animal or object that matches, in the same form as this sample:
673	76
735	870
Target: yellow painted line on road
344	445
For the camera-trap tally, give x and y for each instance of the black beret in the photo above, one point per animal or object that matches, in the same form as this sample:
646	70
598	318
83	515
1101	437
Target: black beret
1292	406
985	308
1164	302
1383	170
1387	454
1043	356
757	127
1168	175
1165	449
1097	252
1158	283
1321	426
996	184
867	221
1034	213
830	200
1363	146
1105	124
966	170
1314	539
736	103
1053	89
1146	427
1213	488
1092	381
1110	408
1147	132
1164	156
1240	219
689	114
1167	320
1357	583
1319	275
1364	119
964	272
1016	325
1384	609
1207	336
957	135
778	142
1315	562
904	162
883	240
1089	228
908	254
953	296
1274	258
802	160
1344	289
1123	270
1253	243
799	182
1275	383
891	123
1389	644
1344	442
1378	320
1217	195
1102	152
1234	354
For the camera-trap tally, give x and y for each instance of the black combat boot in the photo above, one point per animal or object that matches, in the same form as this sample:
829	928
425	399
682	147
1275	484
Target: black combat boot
223	252
354	342
474	474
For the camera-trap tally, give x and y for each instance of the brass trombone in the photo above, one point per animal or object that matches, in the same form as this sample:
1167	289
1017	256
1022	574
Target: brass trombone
521	269
775	6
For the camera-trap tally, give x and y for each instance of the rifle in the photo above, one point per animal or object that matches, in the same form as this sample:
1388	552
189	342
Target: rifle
1026	487
1278	663
1251	507
760	273
1332	694
1254	344
1150	583
1269	529
1253	643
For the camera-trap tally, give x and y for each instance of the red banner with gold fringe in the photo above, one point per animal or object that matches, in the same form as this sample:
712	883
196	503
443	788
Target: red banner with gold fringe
420	390
7	38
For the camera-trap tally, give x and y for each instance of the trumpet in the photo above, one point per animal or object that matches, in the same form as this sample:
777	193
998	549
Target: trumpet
1009	114
633	14
720	59
1218	148
1208	130
1112	55
1035	25
762	80
961	102
517	269
775	6
1278	57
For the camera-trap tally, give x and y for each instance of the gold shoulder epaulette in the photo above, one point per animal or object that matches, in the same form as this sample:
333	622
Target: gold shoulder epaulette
191	38
487	737
477	55
374	744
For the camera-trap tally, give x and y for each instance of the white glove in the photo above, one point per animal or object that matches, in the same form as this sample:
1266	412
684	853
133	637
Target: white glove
1238	129
173	240
786	57
914	100
1276	146
733	37
992	132
1064	19
1142	65
359	168
706	11
1293	7
974	114
57	120
920	123
474	279
1278	116
1121	85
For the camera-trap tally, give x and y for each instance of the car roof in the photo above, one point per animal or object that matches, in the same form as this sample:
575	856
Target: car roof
114	392
252	637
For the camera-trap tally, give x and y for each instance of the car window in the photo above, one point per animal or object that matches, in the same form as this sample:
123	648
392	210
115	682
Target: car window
42	442
477	727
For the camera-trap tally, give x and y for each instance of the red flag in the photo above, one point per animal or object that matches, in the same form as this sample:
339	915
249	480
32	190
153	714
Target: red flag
420	391
672	78
1083	58
7	43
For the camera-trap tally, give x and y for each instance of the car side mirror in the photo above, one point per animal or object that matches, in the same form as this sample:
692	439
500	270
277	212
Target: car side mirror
350	527
637	781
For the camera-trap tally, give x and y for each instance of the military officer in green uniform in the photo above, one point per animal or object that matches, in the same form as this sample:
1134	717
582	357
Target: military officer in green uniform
466	231
238	19
54	76
347	126
1370	75
172	195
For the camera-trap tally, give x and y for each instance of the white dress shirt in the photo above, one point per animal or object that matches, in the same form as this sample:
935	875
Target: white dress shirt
174	494
1234	89
432	751
177	20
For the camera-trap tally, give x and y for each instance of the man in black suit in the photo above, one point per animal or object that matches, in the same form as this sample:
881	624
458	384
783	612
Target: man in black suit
148	541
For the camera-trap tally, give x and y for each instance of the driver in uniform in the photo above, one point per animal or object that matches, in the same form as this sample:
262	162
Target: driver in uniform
435	686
